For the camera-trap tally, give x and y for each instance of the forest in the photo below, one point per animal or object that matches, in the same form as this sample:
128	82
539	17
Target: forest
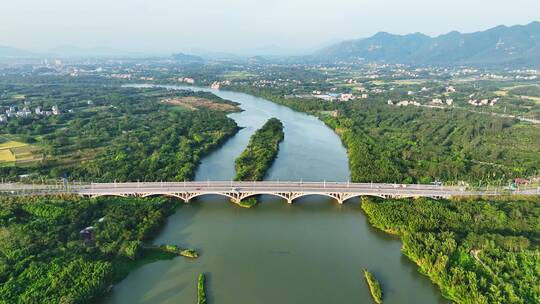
63	249
476	250
260	152
107	133
422	145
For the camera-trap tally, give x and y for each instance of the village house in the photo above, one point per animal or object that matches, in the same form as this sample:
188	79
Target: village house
346	97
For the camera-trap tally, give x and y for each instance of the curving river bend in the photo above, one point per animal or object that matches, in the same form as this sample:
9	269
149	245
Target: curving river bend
311	252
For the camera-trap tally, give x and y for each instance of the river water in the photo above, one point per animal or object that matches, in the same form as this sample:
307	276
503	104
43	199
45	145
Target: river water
310	252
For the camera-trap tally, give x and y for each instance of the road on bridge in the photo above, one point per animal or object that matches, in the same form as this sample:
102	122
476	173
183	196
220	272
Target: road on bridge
289	190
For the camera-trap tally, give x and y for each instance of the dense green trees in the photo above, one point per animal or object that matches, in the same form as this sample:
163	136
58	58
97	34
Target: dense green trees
261	151
201	292
43	258
475	251
374	287
123	134
423	145
164	147
419	144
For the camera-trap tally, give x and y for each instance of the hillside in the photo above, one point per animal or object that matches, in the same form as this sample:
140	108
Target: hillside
518	44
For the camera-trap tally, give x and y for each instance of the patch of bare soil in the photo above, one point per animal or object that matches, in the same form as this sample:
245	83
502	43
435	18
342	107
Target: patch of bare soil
193	103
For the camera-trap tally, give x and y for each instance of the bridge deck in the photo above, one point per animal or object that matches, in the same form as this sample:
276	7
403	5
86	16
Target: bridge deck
288	190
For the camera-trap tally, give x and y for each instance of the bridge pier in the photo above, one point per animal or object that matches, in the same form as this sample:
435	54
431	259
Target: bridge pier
339	197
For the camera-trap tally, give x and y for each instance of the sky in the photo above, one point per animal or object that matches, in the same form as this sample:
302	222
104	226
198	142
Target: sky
241	25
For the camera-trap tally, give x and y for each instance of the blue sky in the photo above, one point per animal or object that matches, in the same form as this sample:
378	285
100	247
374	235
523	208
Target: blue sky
240	25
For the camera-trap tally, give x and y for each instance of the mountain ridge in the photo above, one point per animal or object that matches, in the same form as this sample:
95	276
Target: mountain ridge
498	45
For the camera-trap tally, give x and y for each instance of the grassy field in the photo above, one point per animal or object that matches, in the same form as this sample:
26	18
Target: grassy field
6	156
14	151
18	96
503	92
238	75
409	81
535	99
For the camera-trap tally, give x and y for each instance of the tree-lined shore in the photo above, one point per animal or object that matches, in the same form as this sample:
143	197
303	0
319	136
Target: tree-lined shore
475	250
262	149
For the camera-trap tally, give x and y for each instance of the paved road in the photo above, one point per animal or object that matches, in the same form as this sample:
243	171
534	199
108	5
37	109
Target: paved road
291	189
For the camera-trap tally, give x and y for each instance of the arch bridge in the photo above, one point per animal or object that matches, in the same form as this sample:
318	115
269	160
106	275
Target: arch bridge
288	190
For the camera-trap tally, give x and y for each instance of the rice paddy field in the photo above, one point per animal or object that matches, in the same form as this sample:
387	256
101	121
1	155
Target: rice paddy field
15	152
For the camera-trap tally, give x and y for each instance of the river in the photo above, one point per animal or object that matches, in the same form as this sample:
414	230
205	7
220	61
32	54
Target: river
310	252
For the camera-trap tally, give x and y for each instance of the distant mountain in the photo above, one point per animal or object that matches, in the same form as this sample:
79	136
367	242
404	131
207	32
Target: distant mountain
78	52
518	44
7	51
186	58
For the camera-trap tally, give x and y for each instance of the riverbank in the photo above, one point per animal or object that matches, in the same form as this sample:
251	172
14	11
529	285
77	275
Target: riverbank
249	202
101	240
374	287
417	145
465	248
260	153
201	289
282	233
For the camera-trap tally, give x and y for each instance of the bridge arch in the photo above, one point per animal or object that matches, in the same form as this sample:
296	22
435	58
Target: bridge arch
107	194
300	195
363	194
195	195
266	193
164	194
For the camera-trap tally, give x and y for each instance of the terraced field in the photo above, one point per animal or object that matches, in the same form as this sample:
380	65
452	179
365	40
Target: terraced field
18	152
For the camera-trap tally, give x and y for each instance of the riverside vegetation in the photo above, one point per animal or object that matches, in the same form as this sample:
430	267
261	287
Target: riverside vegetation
259	155
44	258
476	251
260	152
419	144
374	287
201	292
106	133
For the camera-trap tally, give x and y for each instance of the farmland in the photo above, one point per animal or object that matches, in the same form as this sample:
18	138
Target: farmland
12	152
104	132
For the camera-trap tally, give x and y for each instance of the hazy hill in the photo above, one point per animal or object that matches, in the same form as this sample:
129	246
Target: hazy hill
518	44
7	51
186	58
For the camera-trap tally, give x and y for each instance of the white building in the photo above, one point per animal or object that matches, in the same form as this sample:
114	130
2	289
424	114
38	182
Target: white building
450	89
346	97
